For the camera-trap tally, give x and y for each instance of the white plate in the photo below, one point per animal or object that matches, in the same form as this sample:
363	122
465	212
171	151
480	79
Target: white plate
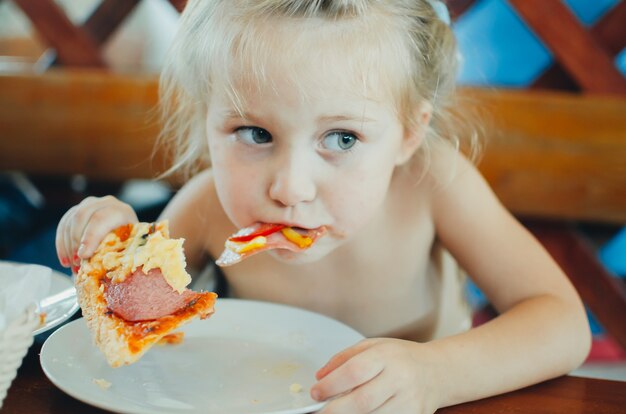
63	310
243	359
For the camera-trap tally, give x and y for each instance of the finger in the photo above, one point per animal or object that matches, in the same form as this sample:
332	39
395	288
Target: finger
69	242
340	358
75	221
367	398
356	371
86	214
101	223
59	240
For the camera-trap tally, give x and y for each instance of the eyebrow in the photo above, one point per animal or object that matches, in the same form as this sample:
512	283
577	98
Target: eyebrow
335	118
234	114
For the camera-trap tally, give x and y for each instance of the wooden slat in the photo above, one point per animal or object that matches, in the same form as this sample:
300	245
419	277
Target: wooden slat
555	155
576	49
555	78
610	32
73	45
611	29
458	7
178	4
548	154
20	46
107	17
92	123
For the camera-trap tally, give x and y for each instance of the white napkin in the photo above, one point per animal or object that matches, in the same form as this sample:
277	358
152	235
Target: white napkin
20	286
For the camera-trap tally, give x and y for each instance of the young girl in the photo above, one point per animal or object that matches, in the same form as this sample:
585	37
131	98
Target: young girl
336	114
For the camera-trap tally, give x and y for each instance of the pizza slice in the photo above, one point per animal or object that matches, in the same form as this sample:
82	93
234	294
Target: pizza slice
132	291
265	236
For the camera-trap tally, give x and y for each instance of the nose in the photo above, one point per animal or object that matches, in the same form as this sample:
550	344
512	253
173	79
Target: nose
292	181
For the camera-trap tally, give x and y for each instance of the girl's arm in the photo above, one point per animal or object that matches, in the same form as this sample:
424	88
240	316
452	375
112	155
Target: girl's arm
542	331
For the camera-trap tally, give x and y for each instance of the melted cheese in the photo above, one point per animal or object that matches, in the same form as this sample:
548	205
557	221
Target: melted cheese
296	238
148	247
243	247
167	255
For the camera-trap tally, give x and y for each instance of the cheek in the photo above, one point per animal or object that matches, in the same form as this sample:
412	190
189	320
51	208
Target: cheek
238	186
355	199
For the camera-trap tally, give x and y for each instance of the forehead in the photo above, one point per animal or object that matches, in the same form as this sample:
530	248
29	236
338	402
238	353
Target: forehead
313	58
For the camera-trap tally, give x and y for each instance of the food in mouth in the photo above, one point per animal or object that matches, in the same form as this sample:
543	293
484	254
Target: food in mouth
133	292
266	236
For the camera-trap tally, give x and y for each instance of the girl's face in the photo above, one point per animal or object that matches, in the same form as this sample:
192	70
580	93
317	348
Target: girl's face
314	155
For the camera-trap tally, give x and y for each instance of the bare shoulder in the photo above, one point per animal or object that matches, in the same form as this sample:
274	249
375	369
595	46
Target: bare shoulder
452	178
195	214
434	186
464	206
445	174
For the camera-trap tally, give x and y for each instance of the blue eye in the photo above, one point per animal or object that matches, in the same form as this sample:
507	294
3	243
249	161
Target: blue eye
253	135
340	141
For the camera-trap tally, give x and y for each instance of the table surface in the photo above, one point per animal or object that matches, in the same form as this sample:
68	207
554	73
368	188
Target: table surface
32	393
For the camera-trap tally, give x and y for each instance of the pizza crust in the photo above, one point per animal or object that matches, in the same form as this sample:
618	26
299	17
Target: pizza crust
123	342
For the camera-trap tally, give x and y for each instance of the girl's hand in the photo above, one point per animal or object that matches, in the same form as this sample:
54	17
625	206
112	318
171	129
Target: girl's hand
380	376
83	227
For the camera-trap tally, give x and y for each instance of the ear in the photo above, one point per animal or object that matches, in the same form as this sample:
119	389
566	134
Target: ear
414	134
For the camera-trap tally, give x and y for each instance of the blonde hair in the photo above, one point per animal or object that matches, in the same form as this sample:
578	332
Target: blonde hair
214	33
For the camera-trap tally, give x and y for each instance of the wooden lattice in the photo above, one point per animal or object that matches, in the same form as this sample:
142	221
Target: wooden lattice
584	57
79	46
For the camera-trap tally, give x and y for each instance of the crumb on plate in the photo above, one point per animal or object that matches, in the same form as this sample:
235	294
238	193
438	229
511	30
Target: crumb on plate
102	383
295	387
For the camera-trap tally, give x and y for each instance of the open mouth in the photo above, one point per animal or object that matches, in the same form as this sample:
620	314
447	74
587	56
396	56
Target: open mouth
265	236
